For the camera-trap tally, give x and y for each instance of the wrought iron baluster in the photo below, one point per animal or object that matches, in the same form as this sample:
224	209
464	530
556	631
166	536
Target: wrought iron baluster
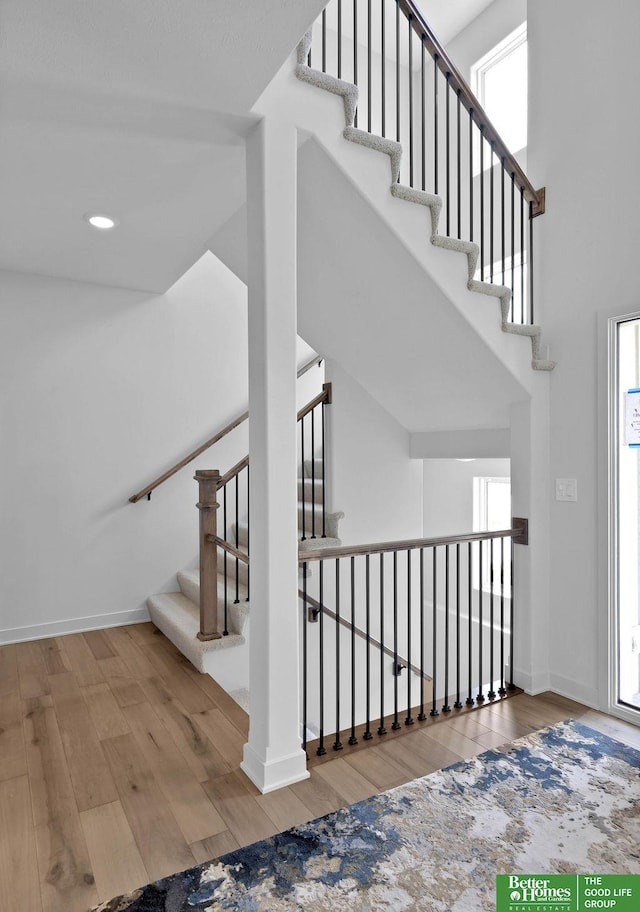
352	739
381	728
409	719
396	668
445	704
321	751
337	744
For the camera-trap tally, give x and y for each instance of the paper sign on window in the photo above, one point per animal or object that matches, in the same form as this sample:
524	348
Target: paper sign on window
632	418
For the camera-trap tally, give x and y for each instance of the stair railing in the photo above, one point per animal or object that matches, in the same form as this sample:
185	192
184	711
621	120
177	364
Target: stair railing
412	92
440	608
311	420
223	504
198	451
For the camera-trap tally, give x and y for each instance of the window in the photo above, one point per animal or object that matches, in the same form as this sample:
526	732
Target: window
492	512
500	82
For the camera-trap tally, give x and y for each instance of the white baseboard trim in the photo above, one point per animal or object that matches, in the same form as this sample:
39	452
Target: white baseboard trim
73	625
574	690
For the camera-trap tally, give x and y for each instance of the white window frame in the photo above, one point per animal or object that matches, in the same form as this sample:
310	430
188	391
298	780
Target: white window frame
480	68
480	524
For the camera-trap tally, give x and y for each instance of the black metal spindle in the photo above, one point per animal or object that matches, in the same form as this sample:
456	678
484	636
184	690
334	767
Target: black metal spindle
355	52
383	64
313	474
482	203
480	697
324	40
502	237
369	49
447	92
530	264
337	744
513	248
435	123
491	226
422	715
224	560
304	656
248	534
458	175
522	255
339	14
470	701
424	115
237	542
445	704
321	751
396	670
501	690
367	733
492	693
381	728
511	615
409	719
434	610
352	738
324	479
458	702
410	35
397	71
303	496
471	175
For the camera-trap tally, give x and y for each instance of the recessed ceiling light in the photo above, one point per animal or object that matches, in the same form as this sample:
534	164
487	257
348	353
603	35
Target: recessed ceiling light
465	460
102	222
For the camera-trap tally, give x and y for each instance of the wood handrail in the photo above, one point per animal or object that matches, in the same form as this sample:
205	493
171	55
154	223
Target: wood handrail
324	396
469	101
410	544
229	548
362	634
233	471
146	491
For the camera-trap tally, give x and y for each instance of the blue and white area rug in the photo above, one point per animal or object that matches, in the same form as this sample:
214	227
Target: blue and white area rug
563	800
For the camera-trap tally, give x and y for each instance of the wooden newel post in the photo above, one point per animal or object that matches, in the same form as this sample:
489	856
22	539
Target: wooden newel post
208	505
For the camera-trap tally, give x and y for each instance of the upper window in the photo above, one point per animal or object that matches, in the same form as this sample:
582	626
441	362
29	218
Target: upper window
500	82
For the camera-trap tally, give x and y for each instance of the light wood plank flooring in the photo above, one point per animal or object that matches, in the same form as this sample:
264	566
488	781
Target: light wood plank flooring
119	764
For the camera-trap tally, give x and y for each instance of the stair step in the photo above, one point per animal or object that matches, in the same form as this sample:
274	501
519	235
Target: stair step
307	467
237	613
318	544
312	489
179	619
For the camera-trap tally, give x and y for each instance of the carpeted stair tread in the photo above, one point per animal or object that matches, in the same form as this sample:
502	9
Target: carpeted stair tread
379	144
347	90
313	490
179	619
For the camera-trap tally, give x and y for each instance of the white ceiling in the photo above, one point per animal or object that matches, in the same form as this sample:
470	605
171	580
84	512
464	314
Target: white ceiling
137	109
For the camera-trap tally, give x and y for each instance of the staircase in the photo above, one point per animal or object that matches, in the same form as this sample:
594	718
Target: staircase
177	614
433	202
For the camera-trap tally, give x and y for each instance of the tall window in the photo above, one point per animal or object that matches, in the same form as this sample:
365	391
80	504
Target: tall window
500	82
492	512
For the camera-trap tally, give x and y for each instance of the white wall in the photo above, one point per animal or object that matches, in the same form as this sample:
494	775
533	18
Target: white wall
583	145
371	476
484	32
101	390
448	493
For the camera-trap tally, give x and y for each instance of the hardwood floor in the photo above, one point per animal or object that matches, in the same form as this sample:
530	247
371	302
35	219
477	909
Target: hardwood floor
119	764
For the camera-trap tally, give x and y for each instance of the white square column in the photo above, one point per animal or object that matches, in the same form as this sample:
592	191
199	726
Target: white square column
273	756
531	494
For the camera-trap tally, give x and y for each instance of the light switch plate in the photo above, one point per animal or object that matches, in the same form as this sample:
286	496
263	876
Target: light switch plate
567	489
